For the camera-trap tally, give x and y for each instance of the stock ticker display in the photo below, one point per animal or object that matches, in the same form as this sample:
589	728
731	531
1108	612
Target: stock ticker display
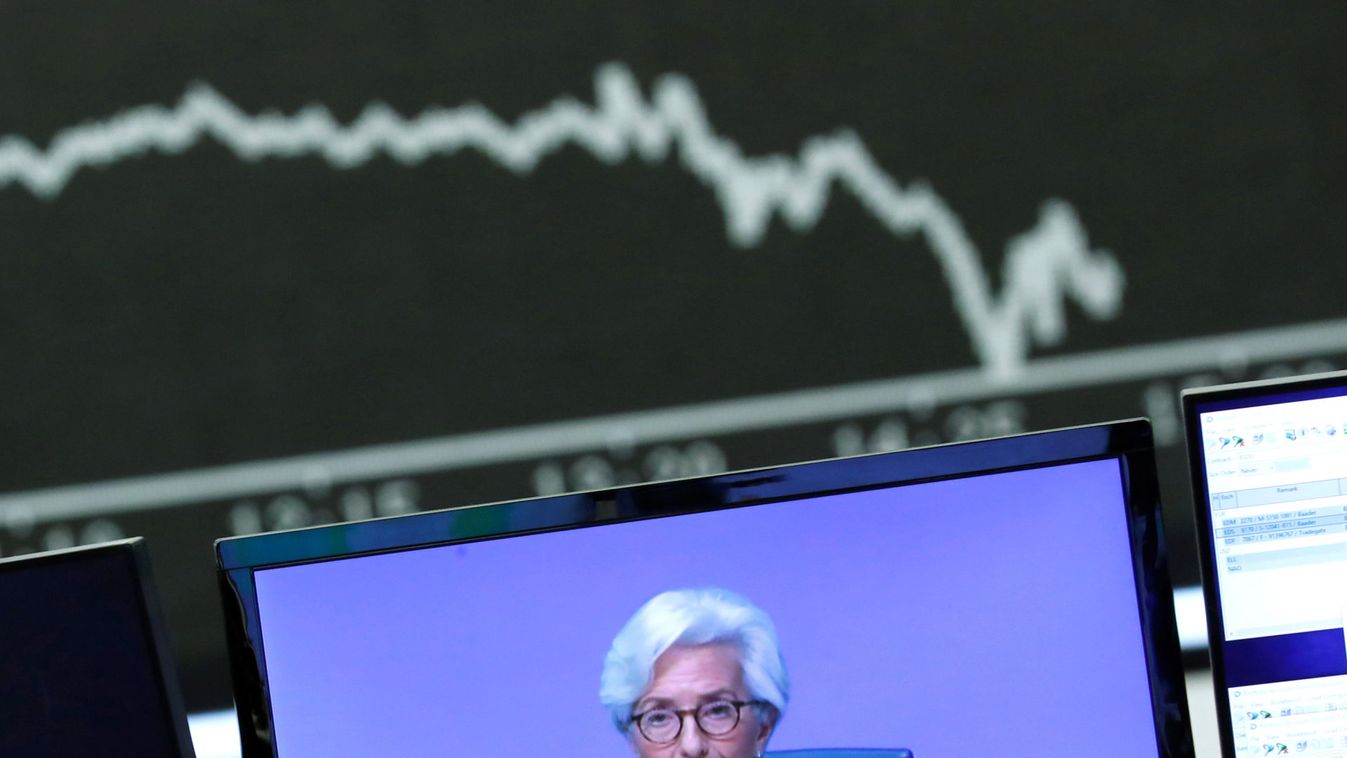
268	266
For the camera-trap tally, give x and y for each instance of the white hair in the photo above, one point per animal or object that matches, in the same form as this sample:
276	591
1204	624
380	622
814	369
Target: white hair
692	617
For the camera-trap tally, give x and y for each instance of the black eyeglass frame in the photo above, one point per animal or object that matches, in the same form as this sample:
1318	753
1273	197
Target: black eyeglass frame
695	713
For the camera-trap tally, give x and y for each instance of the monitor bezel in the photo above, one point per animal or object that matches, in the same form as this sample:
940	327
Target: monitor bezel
1198	400
150	614
1130	442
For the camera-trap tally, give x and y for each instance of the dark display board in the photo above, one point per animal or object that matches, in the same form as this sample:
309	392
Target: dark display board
269	265
82	657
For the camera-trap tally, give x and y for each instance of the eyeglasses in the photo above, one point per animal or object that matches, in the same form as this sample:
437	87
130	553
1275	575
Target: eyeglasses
716	719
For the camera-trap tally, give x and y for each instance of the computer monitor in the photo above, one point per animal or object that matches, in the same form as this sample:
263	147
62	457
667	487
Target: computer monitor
1269	473
83	660
988	598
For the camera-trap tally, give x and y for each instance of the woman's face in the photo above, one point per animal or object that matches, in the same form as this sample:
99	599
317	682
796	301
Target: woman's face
687	677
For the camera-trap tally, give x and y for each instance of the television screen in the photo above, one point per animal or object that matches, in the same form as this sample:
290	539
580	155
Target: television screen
961	615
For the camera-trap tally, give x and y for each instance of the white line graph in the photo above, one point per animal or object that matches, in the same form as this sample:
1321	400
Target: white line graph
1043	267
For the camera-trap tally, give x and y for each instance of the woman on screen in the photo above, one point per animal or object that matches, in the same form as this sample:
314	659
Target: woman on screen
696	673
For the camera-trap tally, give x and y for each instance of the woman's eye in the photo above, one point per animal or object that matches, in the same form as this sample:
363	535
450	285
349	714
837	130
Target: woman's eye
718	711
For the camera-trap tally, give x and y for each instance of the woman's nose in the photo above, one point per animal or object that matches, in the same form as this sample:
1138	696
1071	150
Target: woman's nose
692	743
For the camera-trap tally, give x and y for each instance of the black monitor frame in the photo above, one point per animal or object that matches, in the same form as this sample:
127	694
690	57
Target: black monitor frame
1226	396
1130	442
150	615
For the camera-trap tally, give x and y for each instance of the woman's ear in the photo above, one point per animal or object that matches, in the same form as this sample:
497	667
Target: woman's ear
766	723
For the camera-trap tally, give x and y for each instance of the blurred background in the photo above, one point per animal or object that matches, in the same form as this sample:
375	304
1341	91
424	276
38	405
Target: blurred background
273	265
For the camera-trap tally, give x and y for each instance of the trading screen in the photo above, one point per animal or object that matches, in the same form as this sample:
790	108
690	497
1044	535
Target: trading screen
1277	478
